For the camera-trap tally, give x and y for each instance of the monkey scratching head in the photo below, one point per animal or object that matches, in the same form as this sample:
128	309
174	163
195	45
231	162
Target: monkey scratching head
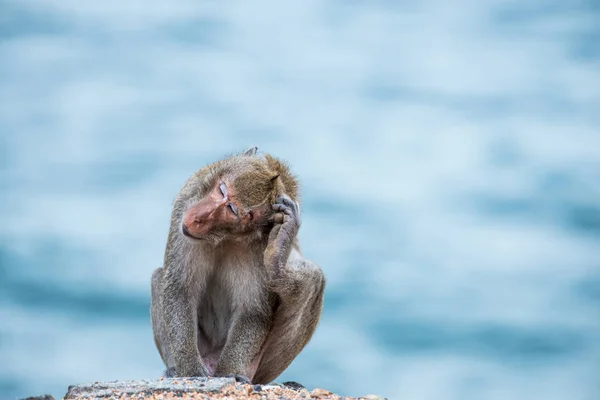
236	197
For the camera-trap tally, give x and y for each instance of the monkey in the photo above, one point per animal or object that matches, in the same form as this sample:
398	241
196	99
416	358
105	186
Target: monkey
235	297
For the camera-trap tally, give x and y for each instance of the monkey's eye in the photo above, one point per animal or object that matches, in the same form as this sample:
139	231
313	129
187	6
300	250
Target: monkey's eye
223	188
233	208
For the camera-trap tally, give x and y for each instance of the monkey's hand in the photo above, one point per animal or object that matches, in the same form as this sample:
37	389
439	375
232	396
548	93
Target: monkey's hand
286	222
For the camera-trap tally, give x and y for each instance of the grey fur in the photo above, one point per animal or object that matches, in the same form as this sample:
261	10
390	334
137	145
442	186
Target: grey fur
234	305
251	151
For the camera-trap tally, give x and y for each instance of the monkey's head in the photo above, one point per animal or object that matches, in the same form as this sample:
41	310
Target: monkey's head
234	200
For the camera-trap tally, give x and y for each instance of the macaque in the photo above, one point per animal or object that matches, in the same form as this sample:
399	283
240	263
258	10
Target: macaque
235	297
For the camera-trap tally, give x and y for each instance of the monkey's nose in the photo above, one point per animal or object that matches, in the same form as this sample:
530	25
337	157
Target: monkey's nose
193	232
186	231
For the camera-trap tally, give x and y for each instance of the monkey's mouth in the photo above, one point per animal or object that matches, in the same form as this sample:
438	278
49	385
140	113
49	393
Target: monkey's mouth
187	233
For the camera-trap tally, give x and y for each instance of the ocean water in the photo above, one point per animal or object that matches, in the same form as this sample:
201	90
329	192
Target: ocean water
449	155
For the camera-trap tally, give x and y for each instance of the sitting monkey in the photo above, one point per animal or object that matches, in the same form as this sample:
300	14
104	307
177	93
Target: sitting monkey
235	297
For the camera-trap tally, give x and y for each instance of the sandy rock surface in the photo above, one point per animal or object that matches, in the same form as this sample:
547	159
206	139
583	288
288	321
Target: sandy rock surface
196	388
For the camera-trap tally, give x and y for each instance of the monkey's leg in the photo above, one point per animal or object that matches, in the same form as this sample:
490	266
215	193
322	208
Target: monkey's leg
300	287
244	342
158	321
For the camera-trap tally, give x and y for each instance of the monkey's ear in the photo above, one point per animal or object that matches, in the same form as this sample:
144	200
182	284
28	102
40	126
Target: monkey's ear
251	151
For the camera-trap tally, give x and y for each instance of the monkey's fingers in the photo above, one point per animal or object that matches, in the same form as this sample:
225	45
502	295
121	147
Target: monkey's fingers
277	218
289	207
287	201
284	209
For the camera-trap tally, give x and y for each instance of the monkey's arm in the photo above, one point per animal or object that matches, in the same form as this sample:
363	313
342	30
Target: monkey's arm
180	316
299	285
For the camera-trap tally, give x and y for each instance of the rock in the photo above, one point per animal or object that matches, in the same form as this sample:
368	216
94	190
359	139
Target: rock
373	397
42	397
147	387
193	388
293	385
320	393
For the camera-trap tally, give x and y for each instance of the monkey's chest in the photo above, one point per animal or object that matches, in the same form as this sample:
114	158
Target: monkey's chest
231	293
215	317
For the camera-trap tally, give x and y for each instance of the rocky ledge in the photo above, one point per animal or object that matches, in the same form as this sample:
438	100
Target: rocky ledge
195	388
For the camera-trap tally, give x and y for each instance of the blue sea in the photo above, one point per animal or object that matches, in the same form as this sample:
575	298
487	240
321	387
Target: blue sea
449	155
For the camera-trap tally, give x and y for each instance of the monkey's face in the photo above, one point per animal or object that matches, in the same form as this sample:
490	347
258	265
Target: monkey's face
219	214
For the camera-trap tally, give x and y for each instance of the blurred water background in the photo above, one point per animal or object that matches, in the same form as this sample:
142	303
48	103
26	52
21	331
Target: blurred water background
449	154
